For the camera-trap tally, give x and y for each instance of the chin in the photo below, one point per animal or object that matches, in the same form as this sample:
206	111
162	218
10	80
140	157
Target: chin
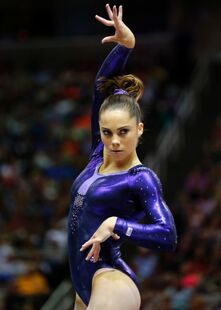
119	157
116	155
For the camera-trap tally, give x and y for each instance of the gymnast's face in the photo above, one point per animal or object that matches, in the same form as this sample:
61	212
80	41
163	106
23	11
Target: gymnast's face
119	134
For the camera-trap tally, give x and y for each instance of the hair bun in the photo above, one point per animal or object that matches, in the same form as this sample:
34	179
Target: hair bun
126	84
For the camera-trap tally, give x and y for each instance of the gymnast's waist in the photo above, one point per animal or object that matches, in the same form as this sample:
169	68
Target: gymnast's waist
110	252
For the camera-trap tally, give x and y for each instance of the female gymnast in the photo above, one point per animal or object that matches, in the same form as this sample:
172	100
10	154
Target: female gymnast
115	190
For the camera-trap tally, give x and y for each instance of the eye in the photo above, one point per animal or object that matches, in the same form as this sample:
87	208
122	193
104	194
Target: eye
124	131
106	132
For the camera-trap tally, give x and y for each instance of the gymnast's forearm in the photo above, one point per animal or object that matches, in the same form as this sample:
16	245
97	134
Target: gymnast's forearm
115	62
154	236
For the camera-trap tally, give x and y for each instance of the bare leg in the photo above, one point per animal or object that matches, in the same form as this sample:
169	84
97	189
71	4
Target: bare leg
112	289
79	305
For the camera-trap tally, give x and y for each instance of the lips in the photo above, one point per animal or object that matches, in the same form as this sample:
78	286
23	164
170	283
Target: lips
116	151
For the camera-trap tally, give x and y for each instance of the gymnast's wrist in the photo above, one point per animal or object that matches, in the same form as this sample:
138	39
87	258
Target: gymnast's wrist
111	221
128	42
121	227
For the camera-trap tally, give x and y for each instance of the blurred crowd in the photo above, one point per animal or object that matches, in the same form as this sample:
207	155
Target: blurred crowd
45	143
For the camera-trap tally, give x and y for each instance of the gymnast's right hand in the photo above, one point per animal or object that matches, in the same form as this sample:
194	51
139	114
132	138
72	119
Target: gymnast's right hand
123	35
104	231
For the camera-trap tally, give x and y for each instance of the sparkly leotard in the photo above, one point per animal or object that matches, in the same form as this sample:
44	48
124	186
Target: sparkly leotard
129	195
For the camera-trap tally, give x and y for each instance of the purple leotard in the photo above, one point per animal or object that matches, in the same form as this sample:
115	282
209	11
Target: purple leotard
129	195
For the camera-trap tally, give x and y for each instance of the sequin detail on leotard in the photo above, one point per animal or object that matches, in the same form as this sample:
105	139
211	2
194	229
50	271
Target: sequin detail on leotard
77	205
80	198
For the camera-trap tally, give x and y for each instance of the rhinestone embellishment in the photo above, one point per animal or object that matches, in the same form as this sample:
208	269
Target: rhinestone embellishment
76	207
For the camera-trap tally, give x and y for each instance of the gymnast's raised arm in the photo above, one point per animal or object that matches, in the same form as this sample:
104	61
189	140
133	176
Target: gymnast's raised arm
113	64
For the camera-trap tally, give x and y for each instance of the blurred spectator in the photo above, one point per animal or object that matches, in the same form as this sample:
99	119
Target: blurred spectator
144	263
29	289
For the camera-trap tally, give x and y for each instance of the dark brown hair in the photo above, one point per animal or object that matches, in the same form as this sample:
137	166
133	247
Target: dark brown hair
133	87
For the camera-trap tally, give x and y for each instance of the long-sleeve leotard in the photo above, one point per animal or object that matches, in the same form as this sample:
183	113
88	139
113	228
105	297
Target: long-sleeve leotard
130	195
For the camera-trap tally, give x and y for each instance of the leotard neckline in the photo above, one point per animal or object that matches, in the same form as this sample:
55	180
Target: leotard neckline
114	173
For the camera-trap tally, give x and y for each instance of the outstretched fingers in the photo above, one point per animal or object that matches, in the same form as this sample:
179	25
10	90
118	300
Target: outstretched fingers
109	11
123	35
88	243
120	12
114	16
116	19
113	13
104	21
93	254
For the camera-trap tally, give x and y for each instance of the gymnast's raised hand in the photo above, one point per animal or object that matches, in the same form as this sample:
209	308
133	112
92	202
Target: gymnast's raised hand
123	35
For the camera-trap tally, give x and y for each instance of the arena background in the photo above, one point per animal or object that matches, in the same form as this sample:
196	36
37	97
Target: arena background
49	54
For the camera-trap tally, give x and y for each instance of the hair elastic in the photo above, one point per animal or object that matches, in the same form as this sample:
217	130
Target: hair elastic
120	91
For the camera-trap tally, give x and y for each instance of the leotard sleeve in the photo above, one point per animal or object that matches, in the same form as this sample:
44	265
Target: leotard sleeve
113	64
160	232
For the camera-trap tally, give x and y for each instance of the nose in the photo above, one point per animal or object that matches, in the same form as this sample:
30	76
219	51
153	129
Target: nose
115	141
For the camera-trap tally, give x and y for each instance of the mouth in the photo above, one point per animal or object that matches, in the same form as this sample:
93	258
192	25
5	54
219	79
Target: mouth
116	151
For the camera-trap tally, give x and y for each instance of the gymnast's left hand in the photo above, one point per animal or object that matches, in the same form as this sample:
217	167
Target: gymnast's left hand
104	231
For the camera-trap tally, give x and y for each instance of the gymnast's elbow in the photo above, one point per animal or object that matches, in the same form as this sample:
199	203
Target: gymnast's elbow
170	237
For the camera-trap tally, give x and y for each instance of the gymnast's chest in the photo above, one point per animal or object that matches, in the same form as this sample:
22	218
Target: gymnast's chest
107	196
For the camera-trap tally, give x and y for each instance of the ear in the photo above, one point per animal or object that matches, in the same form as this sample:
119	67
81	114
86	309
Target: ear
140	129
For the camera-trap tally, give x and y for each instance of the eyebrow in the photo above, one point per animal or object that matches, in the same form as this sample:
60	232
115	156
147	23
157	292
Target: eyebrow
122	127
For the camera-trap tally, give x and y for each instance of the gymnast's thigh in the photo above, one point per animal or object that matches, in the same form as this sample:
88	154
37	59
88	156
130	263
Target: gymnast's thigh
79	304
113	289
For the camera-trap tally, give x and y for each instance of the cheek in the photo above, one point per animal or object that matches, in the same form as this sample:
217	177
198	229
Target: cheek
105	140
132	141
